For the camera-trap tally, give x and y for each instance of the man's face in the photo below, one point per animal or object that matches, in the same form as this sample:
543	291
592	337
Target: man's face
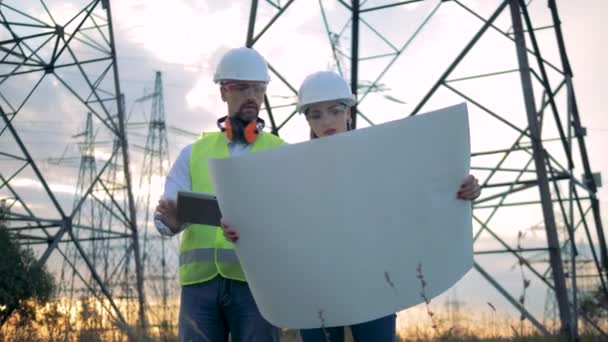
243	97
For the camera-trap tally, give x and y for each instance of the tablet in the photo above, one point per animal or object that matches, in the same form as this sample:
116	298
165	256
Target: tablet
198	208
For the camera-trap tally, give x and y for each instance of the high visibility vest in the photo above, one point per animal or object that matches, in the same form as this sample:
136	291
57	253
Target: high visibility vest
203	251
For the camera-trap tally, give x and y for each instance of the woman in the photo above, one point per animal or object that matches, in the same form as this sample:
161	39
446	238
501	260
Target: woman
325	99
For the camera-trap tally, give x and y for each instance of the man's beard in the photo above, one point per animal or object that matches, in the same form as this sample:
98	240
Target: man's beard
250	115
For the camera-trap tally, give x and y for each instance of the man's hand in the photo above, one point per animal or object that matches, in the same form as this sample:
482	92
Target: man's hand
167	211
469	189
229	233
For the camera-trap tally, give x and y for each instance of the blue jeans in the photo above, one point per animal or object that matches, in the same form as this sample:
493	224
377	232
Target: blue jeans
378	330
211	310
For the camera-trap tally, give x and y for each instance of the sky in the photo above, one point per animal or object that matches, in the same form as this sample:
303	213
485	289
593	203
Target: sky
184	39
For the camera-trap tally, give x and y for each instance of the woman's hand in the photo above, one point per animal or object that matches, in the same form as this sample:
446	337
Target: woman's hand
229	233
469	189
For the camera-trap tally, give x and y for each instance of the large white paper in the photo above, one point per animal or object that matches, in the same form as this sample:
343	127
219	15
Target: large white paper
332	231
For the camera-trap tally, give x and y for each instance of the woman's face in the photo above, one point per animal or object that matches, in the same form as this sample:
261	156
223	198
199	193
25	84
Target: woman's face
328	118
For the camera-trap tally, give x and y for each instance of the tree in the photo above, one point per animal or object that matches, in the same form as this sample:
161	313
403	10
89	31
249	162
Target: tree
595	305
22	278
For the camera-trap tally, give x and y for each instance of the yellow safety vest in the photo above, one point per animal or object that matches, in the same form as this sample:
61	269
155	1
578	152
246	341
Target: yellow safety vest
203	251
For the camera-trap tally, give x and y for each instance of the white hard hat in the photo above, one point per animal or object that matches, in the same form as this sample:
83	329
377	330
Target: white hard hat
242	64
323	86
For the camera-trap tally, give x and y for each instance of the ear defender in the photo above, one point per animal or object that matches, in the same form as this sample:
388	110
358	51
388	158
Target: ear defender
228	129
238	130
250	133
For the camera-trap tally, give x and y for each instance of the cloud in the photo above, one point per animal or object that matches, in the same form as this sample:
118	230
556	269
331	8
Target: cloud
205	94
204	32
180	31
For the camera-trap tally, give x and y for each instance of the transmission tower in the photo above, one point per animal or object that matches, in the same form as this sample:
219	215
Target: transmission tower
84	224
3	213
159	254
453	306
546	151
55	67
92	227
580	278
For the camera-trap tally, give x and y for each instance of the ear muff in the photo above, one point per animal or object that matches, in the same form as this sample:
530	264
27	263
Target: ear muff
231	132
238	130
250	133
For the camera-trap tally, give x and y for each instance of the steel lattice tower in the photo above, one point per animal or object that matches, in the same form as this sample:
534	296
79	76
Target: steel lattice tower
58	66
542	162
159	254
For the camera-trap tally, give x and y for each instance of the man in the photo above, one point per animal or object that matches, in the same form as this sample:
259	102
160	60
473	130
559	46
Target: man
215	297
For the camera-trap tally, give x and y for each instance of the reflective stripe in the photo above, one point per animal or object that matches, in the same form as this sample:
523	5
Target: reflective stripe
227	256
196	255
207	255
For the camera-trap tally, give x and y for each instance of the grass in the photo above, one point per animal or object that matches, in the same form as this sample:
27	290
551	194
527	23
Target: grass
50	326
85	323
